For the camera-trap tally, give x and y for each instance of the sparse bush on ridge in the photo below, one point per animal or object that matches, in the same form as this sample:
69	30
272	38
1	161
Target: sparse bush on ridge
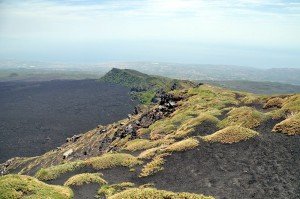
140	144
149	153
109	190
154	166
274	102
104	161
53	172
290	105
289	126
231	134
183	145
244	116
251	99
85	178
14	186
152	193
188	127
110	160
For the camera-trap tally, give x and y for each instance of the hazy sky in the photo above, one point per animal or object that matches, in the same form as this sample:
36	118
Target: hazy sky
259	33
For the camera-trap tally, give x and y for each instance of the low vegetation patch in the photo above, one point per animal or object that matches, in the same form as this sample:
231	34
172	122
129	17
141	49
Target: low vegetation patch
274	102
85	178
110	160
20	186
140	144
290	105
244	116
231	134
183	145
149	153
250	99
189	126
203	104
152	193
154	166
109	190
289	126
54	172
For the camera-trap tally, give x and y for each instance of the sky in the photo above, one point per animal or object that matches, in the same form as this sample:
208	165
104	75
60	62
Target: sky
257	33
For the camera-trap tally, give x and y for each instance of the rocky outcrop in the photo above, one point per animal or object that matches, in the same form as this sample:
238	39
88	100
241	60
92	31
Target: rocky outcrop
166	106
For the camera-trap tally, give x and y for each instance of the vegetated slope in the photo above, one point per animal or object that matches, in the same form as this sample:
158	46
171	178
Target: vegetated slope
36	117
144	87
202	140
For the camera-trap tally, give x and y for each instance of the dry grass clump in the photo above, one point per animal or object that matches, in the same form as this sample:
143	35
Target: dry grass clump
251	99
231	134
110	160
85	178
244	116
149	153
203	117
109	190
183	145
140	144
54	172
188	127
152	193
20	186
289	126
274	102
143	131
170	124
154	166
291	105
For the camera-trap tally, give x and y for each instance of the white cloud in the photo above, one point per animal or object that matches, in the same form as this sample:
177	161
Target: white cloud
267	23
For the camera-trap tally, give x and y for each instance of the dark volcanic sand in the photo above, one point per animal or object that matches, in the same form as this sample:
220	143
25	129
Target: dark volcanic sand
38	116
263	167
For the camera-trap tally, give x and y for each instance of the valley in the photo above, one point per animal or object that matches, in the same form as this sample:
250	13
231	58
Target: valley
36	117
194	141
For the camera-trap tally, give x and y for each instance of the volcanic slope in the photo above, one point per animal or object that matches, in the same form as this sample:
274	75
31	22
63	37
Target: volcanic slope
196	140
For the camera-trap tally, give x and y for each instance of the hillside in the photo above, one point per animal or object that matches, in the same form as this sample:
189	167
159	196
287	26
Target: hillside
195	140
144	87
213	72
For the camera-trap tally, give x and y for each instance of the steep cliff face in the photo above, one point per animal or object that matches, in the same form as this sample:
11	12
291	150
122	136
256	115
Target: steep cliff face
199	139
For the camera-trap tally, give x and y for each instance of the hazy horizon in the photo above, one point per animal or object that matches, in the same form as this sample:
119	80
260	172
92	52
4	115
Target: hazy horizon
252	33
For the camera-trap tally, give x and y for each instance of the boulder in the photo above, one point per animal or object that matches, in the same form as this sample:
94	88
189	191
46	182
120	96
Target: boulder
67	153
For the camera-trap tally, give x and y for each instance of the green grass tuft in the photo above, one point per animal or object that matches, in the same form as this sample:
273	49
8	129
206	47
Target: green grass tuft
109	190
183	145
20	186
289	126
154	166
231	134
54	172
151	193
85	178
110	160
244	116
